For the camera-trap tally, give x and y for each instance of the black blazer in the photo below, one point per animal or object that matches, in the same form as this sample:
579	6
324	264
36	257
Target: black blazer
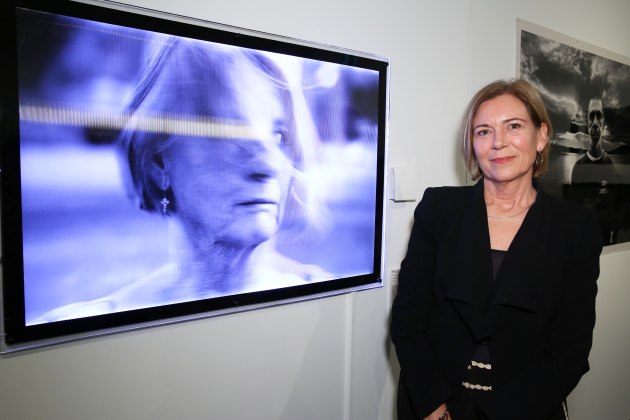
537	318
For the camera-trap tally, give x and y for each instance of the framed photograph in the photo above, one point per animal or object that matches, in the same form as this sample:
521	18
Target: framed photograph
157	168
587	94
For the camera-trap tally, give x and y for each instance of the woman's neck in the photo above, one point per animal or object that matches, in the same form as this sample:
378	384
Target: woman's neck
213	267
506	207
509	196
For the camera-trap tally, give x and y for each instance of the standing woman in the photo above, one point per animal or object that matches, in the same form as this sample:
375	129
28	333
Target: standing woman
495	309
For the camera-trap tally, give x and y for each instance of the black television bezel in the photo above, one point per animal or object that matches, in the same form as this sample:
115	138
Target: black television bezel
16	334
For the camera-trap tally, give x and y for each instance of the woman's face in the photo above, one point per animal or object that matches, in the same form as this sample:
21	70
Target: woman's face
233	191
505	139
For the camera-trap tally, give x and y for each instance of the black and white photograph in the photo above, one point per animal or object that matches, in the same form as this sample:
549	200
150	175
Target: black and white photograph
159	169
587	94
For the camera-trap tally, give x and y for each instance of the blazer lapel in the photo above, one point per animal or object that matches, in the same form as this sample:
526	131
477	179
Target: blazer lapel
518	283
469	288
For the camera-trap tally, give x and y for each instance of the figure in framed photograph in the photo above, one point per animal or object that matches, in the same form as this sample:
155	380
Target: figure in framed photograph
585	89
595	155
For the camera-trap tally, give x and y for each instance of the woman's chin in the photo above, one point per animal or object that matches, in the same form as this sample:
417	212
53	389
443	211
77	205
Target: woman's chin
253	232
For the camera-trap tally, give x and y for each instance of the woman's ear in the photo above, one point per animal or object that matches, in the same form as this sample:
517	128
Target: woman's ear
542	138
158	174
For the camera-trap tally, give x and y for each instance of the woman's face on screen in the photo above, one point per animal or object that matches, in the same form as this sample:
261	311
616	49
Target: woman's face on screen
232	191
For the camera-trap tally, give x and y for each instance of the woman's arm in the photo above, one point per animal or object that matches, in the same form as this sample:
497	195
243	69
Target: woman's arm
425	386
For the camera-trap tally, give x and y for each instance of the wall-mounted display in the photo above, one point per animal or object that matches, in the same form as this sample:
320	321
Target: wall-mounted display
587	94
157	168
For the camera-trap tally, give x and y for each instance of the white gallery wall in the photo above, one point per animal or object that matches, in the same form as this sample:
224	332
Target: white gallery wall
330	359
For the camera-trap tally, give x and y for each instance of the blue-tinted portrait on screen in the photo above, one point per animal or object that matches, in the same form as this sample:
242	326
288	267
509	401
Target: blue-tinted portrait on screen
160	169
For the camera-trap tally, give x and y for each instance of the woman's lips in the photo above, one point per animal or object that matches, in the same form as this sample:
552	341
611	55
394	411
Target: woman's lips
266	196
258	203
505	159
268	202
257	207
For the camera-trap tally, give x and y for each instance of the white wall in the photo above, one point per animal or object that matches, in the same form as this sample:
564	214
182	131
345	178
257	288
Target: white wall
330	358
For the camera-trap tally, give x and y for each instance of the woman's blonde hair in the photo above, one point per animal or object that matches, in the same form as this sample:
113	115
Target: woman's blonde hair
179	84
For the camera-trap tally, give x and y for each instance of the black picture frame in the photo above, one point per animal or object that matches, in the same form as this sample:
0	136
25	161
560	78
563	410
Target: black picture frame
69	243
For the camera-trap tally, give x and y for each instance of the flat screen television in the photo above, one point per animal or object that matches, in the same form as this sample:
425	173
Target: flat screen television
158	168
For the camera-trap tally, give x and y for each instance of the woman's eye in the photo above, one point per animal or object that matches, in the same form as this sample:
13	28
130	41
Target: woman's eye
280	137
482	133
514	126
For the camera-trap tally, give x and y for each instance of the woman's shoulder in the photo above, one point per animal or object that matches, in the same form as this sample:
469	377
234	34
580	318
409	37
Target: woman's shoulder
445	198
160	287
568	219
448	193
75	310
566	209
444	204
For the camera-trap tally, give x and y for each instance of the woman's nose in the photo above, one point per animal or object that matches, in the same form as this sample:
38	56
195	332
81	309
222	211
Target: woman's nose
498	141
267	160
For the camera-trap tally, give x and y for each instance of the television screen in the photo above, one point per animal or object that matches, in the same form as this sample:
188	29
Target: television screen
155	167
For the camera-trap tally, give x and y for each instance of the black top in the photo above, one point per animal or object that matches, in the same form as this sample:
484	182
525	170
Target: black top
497	259
537	317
